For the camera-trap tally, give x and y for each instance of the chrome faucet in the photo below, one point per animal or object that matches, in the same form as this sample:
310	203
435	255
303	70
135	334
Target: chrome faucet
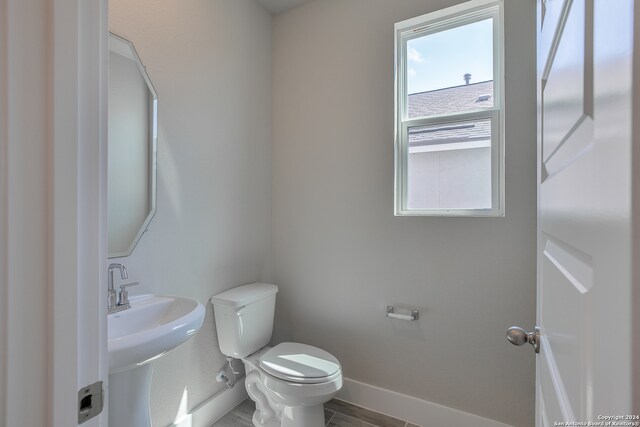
112	303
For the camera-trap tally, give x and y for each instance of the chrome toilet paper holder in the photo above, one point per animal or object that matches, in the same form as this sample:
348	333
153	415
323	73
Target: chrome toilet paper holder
415	314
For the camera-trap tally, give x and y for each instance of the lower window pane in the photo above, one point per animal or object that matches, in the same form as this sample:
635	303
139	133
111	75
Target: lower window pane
449	166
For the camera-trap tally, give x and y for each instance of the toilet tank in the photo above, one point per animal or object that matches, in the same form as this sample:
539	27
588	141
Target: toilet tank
244	318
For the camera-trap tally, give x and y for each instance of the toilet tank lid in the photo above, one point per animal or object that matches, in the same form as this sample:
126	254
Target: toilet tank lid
243	295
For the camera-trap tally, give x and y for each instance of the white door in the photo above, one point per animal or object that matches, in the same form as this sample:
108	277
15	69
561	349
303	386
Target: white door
52	210
584	310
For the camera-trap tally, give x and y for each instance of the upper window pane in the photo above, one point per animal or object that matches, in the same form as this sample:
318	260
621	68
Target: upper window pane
451	71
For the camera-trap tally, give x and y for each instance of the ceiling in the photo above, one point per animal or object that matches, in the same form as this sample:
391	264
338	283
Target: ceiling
279	6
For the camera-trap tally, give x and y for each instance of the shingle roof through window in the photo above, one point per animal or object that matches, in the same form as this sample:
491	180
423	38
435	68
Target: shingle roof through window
450	100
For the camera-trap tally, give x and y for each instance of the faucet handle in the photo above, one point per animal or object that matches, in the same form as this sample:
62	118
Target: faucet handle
126	285
123	297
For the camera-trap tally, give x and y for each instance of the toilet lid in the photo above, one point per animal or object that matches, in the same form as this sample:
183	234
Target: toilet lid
299	363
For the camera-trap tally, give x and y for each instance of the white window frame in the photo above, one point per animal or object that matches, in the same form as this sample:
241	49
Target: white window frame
459	15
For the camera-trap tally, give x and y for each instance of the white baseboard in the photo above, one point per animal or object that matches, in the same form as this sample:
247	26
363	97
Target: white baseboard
397	405
215	408
408	408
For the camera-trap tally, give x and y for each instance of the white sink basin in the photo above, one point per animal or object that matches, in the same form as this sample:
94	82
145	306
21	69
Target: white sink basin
151	327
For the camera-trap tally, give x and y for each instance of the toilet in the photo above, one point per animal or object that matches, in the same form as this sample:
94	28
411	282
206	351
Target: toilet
289	382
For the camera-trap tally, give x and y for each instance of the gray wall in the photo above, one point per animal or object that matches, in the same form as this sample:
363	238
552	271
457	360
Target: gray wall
210	62
340	256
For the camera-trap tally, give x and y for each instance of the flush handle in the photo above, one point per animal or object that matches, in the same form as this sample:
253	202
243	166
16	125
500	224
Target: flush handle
518	336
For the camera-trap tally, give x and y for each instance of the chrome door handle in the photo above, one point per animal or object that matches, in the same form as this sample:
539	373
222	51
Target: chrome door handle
518	336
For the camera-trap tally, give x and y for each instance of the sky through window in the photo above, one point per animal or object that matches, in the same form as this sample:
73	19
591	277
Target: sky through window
441	60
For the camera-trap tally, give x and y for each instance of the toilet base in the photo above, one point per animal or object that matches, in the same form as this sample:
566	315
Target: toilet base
291	416
269	414
303	416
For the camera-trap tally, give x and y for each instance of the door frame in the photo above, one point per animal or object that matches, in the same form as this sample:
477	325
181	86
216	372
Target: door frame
53	237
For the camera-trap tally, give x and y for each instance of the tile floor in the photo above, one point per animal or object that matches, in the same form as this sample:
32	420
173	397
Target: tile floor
336	414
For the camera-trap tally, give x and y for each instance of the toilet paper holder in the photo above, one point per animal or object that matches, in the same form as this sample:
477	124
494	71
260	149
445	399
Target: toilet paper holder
415	314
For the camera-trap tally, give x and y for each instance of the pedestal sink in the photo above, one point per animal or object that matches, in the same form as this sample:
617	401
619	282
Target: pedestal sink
137	336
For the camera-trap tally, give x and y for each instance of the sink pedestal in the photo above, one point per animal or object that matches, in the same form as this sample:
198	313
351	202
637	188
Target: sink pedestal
129	397
153	325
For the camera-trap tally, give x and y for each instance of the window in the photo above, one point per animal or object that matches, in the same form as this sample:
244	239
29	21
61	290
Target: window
449	149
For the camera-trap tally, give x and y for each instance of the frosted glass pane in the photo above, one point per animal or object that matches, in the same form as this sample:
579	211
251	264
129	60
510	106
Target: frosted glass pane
449	166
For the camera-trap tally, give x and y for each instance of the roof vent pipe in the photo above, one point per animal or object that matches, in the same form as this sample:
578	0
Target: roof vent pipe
467	78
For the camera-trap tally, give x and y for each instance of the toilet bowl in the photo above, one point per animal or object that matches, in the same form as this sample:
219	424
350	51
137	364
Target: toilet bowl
289	382
285	396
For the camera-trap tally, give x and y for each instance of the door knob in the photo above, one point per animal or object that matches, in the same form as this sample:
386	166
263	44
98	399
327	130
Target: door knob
518	336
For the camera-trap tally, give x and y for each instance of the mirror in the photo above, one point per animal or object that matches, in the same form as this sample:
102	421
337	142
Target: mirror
133	111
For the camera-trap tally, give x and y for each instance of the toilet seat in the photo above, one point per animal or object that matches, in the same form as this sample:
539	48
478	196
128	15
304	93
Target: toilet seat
300	363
